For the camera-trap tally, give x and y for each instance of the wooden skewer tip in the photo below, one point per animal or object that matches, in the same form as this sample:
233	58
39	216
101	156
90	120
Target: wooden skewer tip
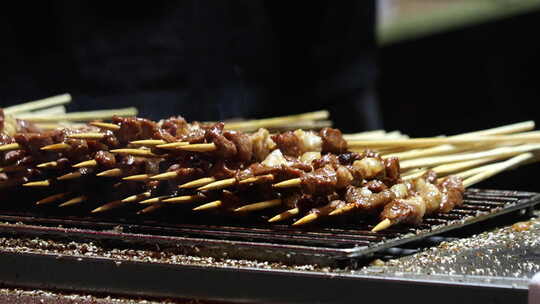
86	163
207	206
220	184
306	219
43	183
294	182
110	173
137	177
105	125
165	176
384	224
87	135
284	215
198	183
56	147
9	147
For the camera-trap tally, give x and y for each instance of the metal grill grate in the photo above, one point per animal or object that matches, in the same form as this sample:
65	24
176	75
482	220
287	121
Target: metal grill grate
325	245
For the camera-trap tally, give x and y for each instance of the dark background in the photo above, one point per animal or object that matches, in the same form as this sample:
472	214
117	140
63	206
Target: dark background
474	78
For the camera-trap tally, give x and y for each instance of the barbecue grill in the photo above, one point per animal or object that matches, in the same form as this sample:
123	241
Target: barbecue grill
240	263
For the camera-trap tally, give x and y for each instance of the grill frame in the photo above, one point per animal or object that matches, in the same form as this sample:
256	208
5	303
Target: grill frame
274	243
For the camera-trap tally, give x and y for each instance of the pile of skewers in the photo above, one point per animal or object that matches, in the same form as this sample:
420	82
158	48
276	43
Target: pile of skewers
242	168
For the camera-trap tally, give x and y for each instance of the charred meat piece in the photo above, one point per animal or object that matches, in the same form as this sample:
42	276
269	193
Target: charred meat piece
366	201
225	148
452	193
133	128
332	141
320	181
105	159
244	146
288	143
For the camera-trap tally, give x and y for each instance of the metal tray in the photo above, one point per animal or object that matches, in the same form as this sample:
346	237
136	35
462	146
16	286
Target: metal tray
332	244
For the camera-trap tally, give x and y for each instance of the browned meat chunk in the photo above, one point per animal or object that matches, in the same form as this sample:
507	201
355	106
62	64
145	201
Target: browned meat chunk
224	148
348	158
105	159
368	202
391	166
376	186
288	143
320	181
32	142
333	141
179	129
243	144
176	126
133	128
452	193
326	160
409	210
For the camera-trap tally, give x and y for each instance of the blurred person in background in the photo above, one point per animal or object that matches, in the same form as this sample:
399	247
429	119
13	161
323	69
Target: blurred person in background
205	60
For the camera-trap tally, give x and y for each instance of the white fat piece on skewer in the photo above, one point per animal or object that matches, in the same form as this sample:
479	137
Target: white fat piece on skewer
430	193
400	190
370	167
308	141
262	144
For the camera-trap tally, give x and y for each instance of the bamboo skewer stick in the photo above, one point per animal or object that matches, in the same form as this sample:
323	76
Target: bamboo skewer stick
74	201
437	160
108	206
474	171
293	182
86	116
220	184
154	200
182	199
137	178
38	104
307	219
105	125
116	172
165	176
56	147
365	135
136	197
420	142
42	183
87	135
198	183
136	152
51	164
71	175
151	208
52	198
259	206
86	164
284	215
149	142
508	129
208	206
9	147
488	171
515	161
276	121
198	147
257	179
172	146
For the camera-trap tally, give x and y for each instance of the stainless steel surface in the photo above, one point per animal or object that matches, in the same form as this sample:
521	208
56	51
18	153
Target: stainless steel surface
481	262
332	243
